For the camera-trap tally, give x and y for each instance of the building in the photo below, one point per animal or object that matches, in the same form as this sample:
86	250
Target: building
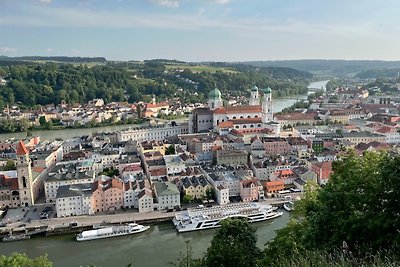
231	157
196	186
152	133
24	175
274	186
74	200
65	177
250	190
108	195
167	195
251	118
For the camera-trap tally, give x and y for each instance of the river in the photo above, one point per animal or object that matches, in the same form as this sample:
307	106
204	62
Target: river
278	105
157	247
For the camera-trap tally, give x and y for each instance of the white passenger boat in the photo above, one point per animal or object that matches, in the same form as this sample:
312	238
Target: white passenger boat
207	218
118	230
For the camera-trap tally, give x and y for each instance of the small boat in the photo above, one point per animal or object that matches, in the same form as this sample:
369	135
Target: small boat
10	237
288	206
112	231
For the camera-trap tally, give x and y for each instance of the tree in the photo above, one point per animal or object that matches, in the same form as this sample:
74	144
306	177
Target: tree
359	206
170	150
42	121
21	260
187	199
10	165
233	245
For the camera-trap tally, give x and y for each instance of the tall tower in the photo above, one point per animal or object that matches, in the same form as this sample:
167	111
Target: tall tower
215	99
267	114
24	175
254	97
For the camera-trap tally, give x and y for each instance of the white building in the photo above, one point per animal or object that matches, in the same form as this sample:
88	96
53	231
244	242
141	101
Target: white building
167	195
74	200
55	180
174	164
150	134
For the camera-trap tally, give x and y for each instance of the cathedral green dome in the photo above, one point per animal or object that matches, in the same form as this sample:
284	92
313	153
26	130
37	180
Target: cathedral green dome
267	90
254	89
214	94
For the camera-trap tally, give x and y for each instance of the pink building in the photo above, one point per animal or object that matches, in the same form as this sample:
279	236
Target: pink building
272	145
323	170
108	195
249	190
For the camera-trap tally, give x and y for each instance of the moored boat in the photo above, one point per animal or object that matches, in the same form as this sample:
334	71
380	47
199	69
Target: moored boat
288	206
11	237
112	231
206	218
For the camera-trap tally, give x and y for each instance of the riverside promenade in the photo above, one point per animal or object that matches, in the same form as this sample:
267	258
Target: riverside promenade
77	223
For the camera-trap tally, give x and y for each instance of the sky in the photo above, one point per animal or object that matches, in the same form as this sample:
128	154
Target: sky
202	30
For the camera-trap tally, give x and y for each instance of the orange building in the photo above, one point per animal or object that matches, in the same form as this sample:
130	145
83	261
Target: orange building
274	186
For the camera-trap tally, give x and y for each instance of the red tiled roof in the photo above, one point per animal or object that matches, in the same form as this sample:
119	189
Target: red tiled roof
157	105
296	116
243	109
225	124
21	149
385	129
279	182
219	111
246	120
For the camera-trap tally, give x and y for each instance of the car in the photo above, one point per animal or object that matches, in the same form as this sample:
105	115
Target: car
47	209
35	210
22	225
200	206
170	210
29	220
44	216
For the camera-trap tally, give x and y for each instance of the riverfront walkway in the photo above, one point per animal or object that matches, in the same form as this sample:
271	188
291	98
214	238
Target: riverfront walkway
55	224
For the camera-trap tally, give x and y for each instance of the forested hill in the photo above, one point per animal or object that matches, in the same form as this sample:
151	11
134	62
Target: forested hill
329	67
379	73
47	83
62	59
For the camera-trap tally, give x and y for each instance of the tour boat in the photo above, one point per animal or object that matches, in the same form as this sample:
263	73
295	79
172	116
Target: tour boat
207	218
118	230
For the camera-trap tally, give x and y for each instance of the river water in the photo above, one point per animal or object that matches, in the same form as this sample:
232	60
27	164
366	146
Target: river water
157	247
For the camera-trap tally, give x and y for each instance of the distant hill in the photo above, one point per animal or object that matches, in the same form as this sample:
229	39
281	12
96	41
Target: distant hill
62	59
329	67
379	73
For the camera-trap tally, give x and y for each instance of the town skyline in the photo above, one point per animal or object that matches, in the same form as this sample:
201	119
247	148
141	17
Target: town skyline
210	30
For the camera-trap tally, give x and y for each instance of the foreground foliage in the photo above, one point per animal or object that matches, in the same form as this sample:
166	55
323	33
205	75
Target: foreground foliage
358	209
21	260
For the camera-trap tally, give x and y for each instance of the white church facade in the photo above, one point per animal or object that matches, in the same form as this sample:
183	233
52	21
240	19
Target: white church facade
255	118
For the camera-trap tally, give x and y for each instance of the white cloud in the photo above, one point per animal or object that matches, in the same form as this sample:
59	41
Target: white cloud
221	1
176	3
5	49
45	1
168	3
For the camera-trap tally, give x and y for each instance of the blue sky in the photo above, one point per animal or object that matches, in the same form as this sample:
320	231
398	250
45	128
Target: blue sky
202	30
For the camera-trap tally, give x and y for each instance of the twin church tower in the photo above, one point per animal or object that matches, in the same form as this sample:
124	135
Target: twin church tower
251	118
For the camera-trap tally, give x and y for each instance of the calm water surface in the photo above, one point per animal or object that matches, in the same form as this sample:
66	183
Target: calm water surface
156	247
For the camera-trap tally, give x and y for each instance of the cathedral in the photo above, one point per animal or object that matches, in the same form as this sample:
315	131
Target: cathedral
255	118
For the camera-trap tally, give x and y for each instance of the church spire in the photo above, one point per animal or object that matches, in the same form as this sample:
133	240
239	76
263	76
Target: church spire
21	149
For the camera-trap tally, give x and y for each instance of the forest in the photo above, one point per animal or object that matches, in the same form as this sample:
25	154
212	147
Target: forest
30	84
